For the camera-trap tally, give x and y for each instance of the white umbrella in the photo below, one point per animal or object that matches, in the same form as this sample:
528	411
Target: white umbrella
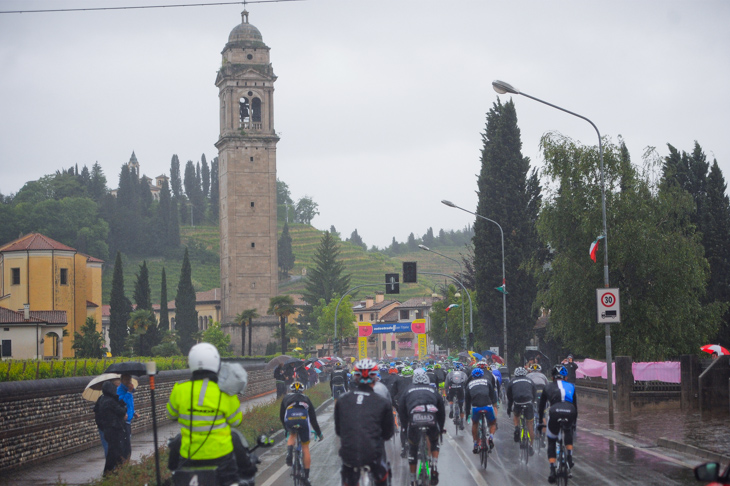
92	392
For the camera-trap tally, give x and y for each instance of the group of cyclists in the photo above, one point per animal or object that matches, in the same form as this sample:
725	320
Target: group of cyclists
369	401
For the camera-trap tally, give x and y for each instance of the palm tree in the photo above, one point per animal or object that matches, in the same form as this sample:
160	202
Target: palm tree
246	316
282	306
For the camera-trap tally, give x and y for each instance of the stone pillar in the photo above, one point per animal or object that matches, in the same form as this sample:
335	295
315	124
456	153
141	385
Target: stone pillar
690	376
624	383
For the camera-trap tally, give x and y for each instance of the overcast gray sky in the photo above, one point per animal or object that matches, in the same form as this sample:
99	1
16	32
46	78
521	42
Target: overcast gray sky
380	105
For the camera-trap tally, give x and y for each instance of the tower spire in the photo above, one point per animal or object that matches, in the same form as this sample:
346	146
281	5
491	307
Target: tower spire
244	16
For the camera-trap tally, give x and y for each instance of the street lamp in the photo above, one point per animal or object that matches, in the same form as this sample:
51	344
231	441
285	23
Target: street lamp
503	88
504	281
457	294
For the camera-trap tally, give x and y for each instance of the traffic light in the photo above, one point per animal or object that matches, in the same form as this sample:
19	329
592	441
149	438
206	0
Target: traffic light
391	283
336	346
463	342
410	273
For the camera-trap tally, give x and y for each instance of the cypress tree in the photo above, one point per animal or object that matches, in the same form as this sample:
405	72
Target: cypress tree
286	254
214	193
119	310
175	181
186	317
164	311
506	197
142	292
163	221
205	174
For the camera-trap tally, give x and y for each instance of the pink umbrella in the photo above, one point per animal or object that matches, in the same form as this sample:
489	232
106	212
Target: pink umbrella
715	348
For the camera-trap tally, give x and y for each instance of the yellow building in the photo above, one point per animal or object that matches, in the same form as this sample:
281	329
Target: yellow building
49	276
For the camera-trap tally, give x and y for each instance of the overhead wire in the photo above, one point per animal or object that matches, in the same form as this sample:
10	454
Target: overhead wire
138	7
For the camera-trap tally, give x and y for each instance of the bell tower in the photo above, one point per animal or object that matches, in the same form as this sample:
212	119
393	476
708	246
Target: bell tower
247	174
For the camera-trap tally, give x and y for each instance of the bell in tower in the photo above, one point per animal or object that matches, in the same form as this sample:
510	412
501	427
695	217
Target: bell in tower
247	173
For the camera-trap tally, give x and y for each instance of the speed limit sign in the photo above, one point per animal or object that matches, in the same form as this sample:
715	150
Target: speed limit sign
608	306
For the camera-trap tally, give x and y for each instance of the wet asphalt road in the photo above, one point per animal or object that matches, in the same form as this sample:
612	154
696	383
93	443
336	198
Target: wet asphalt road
600	459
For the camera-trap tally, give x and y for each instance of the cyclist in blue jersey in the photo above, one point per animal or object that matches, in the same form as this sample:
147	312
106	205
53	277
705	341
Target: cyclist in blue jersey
481	397
494	367
563	405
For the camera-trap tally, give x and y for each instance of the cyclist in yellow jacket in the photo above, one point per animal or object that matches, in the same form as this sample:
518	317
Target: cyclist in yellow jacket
206	415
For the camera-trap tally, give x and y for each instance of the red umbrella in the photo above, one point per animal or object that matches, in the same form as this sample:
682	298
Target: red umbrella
715	348
497	359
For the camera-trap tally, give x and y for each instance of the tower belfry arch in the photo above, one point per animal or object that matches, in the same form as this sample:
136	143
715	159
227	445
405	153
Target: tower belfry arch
247	173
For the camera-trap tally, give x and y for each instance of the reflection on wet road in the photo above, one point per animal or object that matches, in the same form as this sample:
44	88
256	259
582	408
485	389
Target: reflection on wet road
599	460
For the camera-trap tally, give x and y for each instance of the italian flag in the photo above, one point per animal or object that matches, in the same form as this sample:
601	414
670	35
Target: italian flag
452	306
594	248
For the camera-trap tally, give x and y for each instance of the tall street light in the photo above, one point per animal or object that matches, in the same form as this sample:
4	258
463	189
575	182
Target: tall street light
504	281
503	88
461	271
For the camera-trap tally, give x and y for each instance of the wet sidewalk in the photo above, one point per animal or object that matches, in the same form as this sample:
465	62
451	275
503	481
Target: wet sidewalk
705	436
85	466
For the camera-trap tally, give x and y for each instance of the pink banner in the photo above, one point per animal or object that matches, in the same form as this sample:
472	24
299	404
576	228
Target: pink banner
665	371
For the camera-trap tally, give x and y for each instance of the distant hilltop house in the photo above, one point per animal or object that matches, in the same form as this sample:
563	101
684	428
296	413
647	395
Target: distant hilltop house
46	289
155	188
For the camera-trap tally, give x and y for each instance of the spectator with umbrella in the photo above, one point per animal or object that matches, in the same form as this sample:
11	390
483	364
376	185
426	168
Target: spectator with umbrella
111	416
125	392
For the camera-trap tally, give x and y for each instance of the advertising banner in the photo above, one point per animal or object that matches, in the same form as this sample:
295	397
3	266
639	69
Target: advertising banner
362	348
422	345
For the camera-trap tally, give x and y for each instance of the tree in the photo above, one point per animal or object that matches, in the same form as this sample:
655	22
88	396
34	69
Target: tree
656	257
286	257
324	315
282	306
246	316
306	210
428	239
142	291
186	317
144	334
194	192
283	201
175	180
715	239
222	341
214	191
97	184
119	310
90	343
412	244
205	175
327	278
504	198
357	240
164	311
447	327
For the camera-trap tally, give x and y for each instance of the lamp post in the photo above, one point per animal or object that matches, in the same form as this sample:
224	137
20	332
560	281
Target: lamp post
504	281
503	88
457	295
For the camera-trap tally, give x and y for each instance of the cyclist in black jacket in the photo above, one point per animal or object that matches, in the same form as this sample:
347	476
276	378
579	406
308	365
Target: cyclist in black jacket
338	381
481	397
401	384
363	421
297	409
521	393
422	398
563	405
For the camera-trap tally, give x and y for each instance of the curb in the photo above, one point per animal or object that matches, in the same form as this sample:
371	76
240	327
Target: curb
690	449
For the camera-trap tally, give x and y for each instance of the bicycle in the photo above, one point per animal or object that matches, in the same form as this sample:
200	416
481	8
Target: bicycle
297	466
524	440
367	478
539	436
458	421
483	440
563	472
423	464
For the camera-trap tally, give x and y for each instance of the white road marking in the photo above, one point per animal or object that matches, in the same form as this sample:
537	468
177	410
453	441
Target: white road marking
478	479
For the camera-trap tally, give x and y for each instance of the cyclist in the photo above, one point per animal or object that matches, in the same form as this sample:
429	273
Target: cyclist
440	378
422	397
480	398
338	380
521	394
363	421
399	386
388	376
563	404
432	376
206	415
534	373
455	387
297	409
494	368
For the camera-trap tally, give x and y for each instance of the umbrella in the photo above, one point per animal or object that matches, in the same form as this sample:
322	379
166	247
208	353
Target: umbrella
297	349
277	361
534	353
92	392
715	348
497	359
476	356
128	368
293	361
317	370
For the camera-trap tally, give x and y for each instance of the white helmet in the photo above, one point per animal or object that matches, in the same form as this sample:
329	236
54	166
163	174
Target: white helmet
520	371
420	377
204	356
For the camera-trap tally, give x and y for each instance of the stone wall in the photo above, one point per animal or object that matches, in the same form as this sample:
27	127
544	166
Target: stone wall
45	419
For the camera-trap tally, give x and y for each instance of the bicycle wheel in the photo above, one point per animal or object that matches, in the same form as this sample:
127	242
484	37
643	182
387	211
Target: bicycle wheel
296	469
423	470
562	473
524	442
483	442
457	419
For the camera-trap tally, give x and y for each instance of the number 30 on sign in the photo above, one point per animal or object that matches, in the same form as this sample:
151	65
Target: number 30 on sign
607	306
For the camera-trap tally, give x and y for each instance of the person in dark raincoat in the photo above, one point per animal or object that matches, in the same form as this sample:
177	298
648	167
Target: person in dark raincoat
112	415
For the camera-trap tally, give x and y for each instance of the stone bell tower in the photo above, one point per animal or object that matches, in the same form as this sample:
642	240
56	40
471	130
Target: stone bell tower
247	174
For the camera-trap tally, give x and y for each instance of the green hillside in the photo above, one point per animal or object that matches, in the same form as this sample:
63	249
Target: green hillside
365	267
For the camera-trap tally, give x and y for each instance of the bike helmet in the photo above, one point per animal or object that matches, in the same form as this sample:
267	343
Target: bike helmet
429	367
437	365
296	387
494	366
477	373
482	364
407	371
204	356
365	371
338	365
458	365
420	378
393	371
535	367
520	372
559	372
